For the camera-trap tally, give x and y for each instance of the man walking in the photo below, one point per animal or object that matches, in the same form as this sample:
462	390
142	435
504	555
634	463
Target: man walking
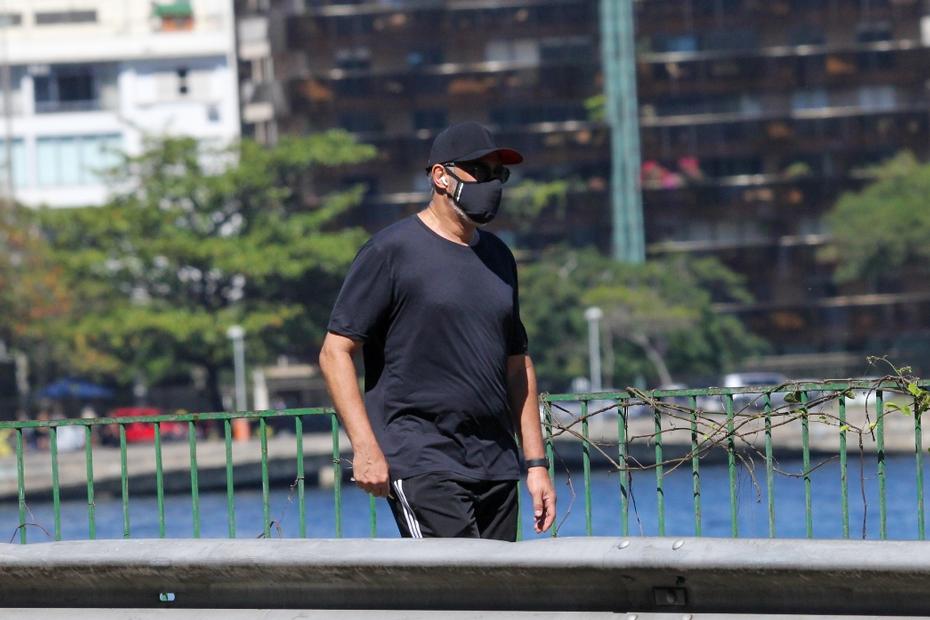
432	302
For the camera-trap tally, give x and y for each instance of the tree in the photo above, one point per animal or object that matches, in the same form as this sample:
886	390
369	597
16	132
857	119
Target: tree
198	238
33	295
659	316
885	226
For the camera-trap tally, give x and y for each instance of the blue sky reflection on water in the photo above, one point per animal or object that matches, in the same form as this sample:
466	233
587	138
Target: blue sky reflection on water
752	507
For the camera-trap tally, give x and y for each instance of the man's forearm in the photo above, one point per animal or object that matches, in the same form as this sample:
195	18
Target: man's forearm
524	404
369	467
339	372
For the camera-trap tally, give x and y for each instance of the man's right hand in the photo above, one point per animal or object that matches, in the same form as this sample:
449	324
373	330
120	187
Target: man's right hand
370	470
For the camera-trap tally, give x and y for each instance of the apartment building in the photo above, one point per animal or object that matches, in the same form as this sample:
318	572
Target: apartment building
754	117
84	79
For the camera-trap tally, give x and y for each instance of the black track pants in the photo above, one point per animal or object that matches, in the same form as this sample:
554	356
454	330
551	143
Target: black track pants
433	506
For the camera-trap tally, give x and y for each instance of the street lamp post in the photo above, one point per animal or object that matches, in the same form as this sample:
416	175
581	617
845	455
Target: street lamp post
237	334
594	315
240	425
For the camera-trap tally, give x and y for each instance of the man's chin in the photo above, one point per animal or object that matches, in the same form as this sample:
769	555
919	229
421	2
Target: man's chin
465	219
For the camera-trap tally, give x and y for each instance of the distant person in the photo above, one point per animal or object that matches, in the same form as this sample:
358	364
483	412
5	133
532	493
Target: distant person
432	303
70	437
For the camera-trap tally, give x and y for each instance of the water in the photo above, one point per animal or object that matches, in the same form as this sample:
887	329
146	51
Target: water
901	492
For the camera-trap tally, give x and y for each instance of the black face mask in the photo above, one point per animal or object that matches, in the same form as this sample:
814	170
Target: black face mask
479	201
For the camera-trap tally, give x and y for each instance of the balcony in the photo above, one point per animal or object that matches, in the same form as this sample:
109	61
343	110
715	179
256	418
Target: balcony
778	51
79	88
56	107
342	8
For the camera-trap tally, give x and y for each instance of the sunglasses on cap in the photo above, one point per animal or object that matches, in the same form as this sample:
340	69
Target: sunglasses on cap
482	171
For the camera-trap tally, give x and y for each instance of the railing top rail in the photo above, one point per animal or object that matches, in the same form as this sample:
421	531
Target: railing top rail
169	417
831	385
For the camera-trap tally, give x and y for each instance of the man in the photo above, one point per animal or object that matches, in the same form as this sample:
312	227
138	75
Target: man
432	302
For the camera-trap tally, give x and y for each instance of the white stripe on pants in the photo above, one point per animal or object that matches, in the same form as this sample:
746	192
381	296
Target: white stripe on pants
411	518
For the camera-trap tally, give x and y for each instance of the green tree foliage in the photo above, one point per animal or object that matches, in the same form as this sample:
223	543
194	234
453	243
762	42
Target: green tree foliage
33	295
884	227
199	238
659	318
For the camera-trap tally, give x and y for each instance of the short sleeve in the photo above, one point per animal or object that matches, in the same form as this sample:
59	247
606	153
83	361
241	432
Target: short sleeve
518	344
365	298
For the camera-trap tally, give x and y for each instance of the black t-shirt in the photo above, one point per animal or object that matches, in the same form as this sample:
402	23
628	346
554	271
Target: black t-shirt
438	321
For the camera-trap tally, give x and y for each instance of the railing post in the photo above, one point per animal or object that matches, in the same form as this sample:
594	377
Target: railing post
769	465
731	465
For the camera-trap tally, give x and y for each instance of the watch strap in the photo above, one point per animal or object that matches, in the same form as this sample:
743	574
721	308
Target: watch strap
543	462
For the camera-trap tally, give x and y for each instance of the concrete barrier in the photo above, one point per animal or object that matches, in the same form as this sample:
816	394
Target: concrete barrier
572	574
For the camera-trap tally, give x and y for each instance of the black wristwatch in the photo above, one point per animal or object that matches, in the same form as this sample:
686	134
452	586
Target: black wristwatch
543	462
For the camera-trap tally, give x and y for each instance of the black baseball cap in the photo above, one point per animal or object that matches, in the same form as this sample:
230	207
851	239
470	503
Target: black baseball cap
466	142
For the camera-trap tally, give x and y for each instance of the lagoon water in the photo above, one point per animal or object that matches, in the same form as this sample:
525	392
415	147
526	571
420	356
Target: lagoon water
901	493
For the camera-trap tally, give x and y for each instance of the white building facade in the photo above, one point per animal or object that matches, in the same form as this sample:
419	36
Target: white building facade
84	79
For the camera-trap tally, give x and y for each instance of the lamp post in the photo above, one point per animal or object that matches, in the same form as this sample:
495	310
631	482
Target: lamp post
236	333
240	425
594	315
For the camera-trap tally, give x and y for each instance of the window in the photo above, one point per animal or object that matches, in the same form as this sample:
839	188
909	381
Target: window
430	119
730	40
182	82
66	89
10	19
877	97
870	61
50	18
573	49
675	43
809	70
507	50
807	34
355	58
16	93
424	57
360	122
18	153
873	32
75	160
809	99
352	87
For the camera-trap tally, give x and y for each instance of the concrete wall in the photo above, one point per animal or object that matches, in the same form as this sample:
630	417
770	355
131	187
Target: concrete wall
594	574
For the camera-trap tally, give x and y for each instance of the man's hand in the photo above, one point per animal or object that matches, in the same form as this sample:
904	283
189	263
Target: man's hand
370	471
543	493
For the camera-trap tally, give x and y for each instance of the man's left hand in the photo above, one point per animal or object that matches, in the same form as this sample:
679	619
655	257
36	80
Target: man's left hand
543	493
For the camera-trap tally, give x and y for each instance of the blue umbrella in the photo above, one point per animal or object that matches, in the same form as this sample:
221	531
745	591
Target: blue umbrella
75	388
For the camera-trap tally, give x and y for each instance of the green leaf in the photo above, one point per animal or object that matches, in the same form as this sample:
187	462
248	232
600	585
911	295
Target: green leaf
896	407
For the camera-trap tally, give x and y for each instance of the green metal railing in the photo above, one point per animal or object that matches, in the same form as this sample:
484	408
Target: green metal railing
629	432
743	424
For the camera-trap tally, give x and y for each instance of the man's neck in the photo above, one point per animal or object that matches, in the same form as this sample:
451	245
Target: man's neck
442	219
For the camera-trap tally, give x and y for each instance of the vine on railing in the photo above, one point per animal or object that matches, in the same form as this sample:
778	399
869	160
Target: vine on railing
740	428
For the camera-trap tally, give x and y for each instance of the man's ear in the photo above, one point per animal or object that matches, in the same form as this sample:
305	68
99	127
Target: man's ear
439	177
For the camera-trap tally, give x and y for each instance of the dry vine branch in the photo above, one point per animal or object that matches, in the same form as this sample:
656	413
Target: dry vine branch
714	432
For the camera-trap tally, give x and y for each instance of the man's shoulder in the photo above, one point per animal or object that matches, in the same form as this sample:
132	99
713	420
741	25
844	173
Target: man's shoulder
394	235
495	244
